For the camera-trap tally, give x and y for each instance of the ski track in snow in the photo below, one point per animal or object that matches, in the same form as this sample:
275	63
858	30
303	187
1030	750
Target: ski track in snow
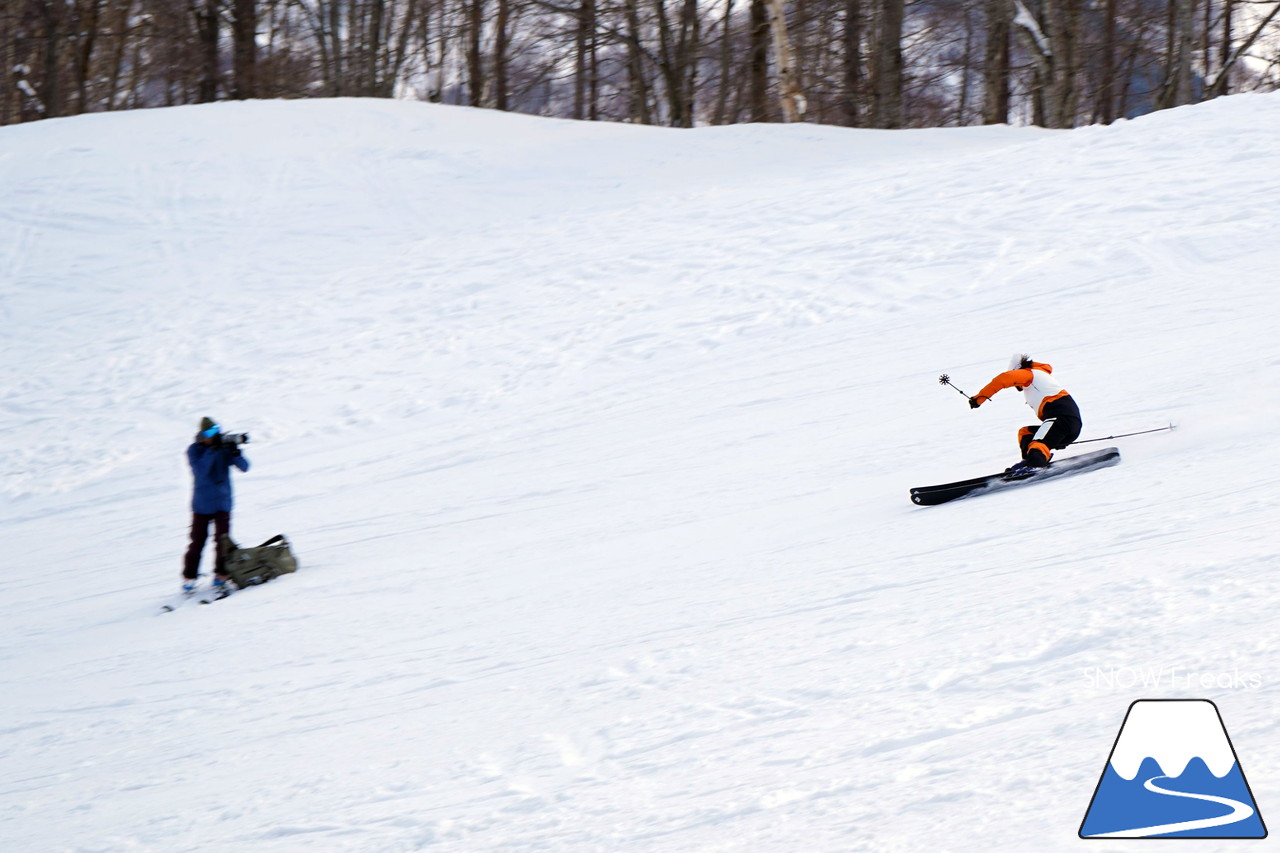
595	444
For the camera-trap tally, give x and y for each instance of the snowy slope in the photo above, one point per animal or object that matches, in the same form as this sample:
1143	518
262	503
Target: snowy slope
595	443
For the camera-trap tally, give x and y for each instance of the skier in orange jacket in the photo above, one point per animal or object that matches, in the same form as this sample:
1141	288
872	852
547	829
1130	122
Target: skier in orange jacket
1060	417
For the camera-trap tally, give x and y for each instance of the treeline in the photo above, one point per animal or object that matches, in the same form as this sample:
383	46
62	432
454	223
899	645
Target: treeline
864	63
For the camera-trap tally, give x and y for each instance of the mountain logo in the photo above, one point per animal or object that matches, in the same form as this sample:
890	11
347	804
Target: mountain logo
1172	773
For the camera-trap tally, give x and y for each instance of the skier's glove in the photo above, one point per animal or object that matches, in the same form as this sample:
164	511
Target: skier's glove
974	402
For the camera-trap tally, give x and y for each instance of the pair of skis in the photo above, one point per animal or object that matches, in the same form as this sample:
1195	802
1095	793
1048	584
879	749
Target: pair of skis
209	596
946	492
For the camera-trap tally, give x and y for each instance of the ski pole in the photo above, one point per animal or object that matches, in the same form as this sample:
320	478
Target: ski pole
944	379
1126	435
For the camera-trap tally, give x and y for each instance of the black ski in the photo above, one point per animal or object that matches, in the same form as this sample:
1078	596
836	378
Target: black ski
940	494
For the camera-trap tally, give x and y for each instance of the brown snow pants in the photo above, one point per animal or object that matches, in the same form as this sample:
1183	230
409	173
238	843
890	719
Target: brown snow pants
200	533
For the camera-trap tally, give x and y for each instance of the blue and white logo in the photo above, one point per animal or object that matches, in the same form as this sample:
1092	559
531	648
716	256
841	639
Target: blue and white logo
1173	773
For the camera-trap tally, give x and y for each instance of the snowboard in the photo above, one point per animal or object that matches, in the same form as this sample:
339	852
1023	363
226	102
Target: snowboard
945	492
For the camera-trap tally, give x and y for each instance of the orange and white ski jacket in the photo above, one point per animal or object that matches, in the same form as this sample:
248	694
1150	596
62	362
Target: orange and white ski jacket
1035	382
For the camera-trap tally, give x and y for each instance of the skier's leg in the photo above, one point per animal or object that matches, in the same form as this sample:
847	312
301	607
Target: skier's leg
1024	439
199	533
1037	452
1066	429
221	528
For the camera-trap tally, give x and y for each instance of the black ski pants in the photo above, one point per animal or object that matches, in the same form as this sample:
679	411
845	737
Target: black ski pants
199	534
1060	426
1053	433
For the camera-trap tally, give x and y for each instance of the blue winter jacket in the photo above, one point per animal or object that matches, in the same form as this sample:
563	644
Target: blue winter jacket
211	467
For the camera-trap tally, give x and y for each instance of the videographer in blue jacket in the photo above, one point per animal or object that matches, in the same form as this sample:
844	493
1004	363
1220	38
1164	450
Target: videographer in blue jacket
211	456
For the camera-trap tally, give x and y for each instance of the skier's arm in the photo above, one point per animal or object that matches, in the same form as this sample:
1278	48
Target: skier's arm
239	460
201	463
1008	379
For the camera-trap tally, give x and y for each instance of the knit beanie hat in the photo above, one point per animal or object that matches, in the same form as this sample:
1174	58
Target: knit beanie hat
207	423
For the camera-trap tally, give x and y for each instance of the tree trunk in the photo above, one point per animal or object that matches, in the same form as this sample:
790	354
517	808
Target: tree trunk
337	50
996	62
689	44
726	64
1228	35
759	64
584	83
887	76
1105	109
87	29
1218	85
853	59
1064	31
635	67
593	67
500	46
375	48
50	88
208	29
1051	40
1177	85
475	59
119	25
244	38
667	61
8	85
792	100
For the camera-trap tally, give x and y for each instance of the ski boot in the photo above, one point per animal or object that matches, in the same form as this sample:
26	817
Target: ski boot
189	586
221	587
1019	470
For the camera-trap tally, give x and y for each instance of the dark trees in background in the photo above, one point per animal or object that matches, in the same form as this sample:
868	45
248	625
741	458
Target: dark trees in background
208	27
758	78
854	79
886	73
868	63
244	48
997	62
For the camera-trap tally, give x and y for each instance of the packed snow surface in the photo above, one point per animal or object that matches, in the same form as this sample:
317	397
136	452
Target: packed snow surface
594	443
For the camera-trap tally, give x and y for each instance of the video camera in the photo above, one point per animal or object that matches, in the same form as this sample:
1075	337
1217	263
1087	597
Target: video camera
233	439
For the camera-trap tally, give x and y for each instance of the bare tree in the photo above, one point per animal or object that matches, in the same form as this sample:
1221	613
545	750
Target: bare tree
793	102
1104	110
1050	38
887	68
1176	89
244	37
758	67
882	63
997	60
586	83
1218	85
854	78
639	88
208	25
501	44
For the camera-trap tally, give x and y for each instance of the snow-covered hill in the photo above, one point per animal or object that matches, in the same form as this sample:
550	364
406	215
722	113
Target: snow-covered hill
594	442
